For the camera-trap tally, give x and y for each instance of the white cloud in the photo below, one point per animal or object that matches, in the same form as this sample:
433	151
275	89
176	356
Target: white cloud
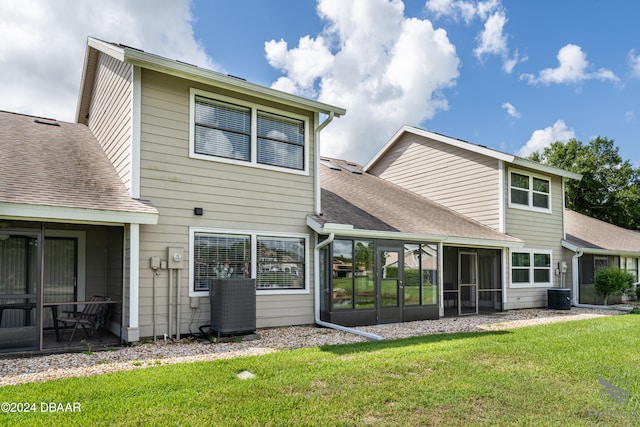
385	69
492	40
634	63
511	110
466	9
542	138
629	116
303	63
573	67
42	55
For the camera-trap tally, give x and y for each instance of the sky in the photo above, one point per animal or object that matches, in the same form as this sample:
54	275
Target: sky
511	75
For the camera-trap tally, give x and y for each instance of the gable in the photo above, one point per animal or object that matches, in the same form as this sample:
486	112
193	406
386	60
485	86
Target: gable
462	180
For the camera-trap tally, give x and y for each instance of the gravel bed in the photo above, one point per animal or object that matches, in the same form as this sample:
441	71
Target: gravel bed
138	356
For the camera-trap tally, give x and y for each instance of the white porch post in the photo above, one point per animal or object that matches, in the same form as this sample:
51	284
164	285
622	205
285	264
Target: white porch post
132	333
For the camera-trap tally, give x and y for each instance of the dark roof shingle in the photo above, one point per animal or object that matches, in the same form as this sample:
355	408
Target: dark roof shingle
371	203
589	233
51	163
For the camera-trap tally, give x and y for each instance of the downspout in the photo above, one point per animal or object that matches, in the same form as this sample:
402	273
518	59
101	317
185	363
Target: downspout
575	276
316	163
372	337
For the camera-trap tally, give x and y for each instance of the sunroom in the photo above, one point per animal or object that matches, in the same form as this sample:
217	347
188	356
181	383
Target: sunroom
387	255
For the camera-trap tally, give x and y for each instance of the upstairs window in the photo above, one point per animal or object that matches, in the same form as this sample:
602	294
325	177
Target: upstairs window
529	191
280	141
222	129
233	131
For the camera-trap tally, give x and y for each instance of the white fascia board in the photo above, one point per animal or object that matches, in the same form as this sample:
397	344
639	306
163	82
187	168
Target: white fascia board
545	168
594	251
570	246
349	230
74	215
108	48
440	138
195	73
468	241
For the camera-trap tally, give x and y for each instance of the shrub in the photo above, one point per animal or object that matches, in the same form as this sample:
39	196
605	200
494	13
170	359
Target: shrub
612	281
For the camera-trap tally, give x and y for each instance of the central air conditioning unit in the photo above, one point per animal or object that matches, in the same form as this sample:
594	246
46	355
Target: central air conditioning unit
233	306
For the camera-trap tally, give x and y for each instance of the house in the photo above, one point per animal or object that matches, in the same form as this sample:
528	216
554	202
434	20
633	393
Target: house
591	244
172	175
511	195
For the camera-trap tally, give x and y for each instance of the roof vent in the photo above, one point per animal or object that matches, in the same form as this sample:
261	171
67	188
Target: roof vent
236	77
47	122
330	165
352	169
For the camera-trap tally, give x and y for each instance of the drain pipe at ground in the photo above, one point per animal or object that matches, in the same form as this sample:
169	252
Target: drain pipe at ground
372	337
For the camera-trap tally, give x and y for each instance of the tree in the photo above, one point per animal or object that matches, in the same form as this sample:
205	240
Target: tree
610	186
612	281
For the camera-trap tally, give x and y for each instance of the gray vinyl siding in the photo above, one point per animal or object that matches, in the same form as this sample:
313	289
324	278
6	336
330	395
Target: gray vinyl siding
459	179
233	197
539	230
110	113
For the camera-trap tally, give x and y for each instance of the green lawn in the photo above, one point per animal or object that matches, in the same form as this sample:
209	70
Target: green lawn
544	375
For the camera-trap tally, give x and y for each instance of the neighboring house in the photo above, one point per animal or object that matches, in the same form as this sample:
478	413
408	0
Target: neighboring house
512	195
400	256
591	244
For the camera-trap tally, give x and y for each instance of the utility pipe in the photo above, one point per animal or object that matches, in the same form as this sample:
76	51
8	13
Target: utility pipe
170	301
178	304
316	163
372	337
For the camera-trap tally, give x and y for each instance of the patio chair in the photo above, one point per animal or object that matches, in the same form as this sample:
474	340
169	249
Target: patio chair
92	318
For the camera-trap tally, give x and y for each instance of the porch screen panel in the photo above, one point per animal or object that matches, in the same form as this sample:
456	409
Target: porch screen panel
60	273
280	141
342	272
363	272
220	256
429	269
19	277
59	270
412	274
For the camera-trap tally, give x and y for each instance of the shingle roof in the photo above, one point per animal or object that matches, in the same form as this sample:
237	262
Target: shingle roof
371	203
585	232
50	163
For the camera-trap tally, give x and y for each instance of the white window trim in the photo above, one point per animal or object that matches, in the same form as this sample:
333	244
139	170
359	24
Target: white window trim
254	258
531	283
530	206
253	161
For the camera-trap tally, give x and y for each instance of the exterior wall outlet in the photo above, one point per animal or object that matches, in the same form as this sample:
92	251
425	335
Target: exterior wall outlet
194	302
154	262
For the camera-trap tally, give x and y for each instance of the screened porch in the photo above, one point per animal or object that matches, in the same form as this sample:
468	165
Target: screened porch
51	271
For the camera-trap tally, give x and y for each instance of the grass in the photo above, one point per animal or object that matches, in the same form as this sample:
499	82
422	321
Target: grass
544	375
